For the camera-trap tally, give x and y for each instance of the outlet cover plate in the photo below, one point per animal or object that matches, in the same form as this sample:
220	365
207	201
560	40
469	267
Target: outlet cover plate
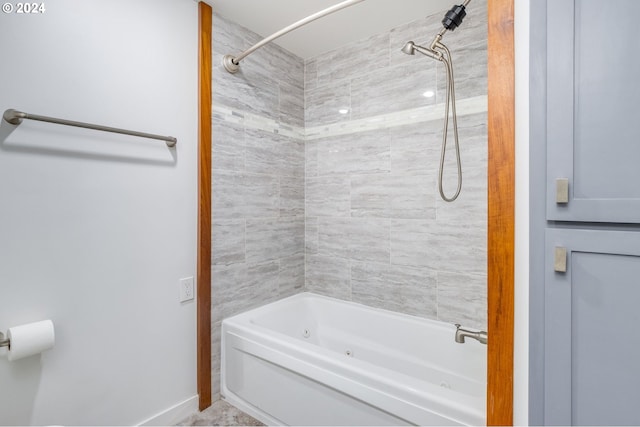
187	292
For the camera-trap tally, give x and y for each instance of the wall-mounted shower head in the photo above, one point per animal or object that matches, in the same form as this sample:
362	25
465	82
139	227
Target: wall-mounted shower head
410	48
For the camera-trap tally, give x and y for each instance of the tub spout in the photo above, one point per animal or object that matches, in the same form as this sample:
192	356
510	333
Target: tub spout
461	333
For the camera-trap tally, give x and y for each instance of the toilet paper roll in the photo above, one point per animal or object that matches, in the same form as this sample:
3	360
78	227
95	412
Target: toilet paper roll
32	338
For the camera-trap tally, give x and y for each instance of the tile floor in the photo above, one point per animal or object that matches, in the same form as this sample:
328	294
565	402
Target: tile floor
220	414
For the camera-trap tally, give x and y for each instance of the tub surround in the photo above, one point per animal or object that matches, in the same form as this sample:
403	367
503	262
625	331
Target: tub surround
346	205
376	229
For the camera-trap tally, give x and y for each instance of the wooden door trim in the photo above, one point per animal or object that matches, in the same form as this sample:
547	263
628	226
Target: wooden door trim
501	212
204	207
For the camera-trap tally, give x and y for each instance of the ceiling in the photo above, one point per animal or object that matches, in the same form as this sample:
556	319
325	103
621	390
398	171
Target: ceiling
361	20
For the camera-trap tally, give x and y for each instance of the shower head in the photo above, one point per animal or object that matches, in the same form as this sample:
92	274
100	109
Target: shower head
410	48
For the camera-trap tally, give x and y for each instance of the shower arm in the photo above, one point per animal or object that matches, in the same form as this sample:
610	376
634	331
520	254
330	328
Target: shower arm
232	63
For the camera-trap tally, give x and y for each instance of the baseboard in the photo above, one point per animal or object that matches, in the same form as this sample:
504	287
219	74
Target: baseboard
175	414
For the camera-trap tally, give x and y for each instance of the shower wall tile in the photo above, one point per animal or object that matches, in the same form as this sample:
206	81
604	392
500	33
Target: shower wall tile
311	235
462	298
276	63
272	62
393	89
262	152
258	95
439	245
412	196
291	278
261	196
228	35
414	243
273	239
246	286
393	196
291	196
228	143
273	154
353	59
228	241
310	74
470	73
323	104
361	153
245	195
328	196
404	289
371	195
461	247
292	105
329	276
216	334
473	140
415	149
291	152
365	239
227	202
470	207
311	159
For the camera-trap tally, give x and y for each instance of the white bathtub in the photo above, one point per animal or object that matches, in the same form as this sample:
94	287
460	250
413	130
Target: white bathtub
313	360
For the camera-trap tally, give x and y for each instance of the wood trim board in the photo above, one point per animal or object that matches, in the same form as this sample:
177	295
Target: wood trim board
501	212
204	207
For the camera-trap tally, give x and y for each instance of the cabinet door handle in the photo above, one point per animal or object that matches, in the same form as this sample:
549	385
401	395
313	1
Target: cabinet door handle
560	259
562	190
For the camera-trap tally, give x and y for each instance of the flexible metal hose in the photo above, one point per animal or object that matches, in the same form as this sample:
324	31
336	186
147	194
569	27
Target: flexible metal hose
450	100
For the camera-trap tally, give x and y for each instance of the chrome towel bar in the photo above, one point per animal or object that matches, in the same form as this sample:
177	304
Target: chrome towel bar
15	118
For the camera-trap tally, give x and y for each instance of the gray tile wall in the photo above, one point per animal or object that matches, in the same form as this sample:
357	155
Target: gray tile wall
258	226
376	229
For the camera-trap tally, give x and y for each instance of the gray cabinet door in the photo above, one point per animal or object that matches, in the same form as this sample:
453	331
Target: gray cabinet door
592	340
593	113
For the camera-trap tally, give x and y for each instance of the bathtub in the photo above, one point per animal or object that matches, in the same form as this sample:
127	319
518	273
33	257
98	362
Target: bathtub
314	360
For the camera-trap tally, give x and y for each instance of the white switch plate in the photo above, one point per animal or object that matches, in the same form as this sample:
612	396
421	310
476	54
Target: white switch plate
186	289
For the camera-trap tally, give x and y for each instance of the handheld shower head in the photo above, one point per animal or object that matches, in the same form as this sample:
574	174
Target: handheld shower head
410	48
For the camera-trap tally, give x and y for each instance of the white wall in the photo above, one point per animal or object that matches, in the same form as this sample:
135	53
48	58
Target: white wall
521	321
96	228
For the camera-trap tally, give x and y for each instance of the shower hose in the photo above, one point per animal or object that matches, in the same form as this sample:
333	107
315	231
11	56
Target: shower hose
450	101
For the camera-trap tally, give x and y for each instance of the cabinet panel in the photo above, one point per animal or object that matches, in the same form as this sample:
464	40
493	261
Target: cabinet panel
593	56
592	349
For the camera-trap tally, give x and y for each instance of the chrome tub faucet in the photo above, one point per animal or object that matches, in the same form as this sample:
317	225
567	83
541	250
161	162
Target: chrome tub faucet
461	333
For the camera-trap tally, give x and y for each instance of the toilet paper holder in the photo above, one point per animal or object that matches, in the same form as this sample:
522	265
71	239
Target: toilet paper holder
4	342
